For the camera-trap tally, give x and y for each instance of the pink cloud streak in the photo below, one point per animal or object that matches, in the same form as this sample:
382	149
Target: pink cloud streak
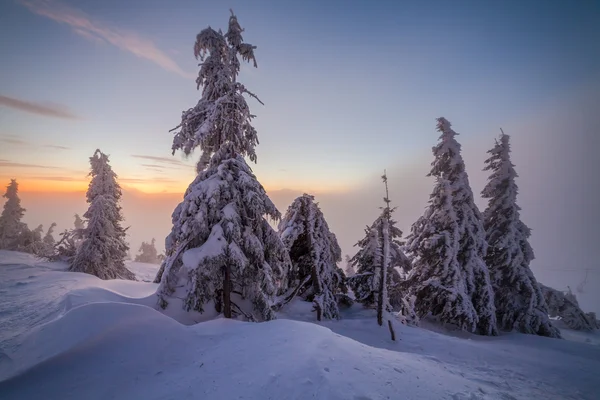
91	29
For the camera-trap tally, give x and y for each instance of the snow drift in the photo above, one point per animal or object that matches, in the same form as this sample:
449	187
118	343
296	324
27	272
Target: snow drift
80	337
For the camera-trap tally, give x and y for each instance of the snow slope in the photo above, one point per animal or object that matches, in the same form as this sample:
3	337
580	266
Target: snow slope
72	336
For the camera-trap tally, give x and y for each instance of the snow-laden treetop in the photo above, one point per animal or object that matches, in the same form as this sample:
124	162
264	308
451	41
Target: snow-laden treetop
448	160
104	179
220	122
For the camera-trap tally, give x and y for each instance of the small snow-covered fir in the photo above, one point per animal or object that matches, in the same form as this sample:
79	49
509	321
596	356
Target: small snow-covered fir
382	237
11	226
148	253
103	249
519	301
314	253
565	306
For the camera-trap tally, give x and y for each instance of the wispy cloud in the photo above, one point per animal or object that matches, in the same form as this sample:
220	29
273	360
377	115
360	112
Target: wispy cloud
152	166
54	146
48	110
12	139
147	180
92	29
56	178
7	164
18	141
160	160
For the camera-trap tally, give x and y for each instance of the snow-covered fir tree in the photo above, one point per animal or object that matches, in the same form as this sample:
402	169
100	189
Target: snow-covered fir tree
519	301
148	253
314	253
380	253
103	247
222	252
565	306
448	244
31	241
49	240
48	243
11	227
69	241
436	280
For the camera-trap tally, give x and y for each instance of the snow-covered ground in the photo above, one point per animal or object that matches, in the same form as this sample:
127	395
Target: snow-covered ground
71	336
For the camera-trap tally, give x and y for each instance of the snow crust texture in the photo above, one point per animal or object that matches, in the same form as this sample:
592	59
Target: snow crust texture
82	337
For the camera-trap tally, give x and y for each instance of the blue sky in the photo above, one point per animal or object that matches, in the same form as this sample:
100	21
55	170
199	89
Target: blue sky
350	88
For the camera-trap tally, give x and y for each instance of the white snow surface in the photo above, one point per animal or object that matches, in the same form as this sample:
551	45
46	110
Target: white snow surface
66	335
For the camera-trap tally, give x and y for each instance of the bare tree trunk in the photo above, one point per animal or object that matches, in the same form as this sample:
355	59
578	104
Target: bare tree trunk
392	330
227	293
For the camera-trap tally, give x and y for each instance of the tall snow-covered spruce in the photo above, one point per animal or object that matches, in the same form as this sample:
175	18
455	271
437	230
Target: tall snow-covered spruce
11	227
377	281
103	248
222	252
520	303
314	253
449	277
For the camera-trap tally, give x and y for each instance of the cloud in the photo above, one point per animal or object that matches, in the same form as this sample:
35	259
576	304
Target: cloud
11	139
163	160
16	140
54	146
147	180
7	163
48	110
56	178
95	30
152	166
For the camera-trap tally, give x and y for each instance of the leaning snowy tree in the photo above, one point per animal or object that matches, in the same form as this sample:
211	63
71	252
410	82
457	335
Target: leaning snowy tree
520	303
450	278
314	252
11	227
376	262
103	248
472	245
222	252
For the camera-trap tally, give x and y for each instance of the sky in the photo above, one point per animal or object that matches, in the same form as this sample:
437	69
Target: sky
349	89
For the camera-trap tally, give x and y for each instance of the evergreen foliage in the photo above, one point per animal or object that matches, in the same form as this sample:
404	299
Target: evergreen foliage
103	249
519	301
566	307
449	278
221	249
314	253
11	227
373	267
148	253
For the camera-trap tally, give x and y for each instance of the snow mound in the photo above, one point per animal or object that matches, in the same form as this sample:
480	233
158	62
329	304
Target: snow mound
124	351
67	335
35	292
143	271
